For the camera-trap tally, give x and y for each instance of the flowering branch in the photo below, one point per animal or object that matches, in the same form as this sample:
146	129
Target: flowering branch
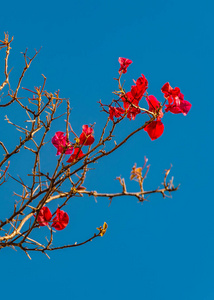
66	180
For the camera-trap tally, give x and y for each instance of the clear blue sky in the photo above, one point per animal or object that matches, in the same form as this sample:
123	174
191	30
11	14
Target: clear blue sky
163	249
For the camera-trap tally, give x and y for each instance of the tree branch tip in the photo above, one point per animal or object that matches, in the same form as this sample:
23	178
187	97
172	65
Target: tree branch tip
28	255
47	255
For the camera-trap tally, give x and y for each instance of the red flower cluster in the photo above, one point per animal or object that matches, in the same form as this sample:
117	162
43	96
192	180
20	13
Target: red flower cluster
59	222
132	98
130	101
124	63
176	101
61	142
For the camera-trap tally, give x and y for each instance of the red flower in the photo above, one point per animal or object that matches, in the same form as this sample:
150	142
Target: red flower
86	138
128	100
131	105
179	105
75	156
124	63
132	112
61	142
132	98
169	91
61	220
115	112
139	88
176	103
44	216
155	128
154	106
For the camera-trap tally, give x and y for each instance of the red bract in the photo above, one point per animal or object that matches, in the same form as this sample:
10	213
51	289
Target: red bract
169	91
61	142
131	105
86	138
115	112
176	103
61	220
124	63
155	128
44	216
132	98
128	100
139	88
75	156
132	112
154	106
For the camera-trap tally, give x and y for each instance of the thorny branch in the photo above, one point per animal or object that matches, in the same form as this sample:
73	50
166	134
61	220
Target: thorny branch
41	187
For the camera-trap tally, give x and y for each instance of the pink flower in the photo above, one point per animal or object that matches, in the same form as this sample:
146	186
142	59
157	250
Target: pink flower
75	156
61	142
124	63
176	103
44	216
86	138
61	220
155	128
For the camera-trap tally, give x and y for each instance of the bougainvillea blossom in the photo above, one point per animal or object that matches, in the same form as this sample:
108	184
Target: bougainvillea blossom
131	99
132	112
155	128
44	216
154	106
61	220
131	105
75	156
124	63
86	138
115	112
176	103
61	142
169	91
139	88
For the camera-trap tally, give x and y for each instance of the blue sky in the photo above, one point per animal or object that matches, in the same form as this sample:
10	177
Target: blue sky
160	250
